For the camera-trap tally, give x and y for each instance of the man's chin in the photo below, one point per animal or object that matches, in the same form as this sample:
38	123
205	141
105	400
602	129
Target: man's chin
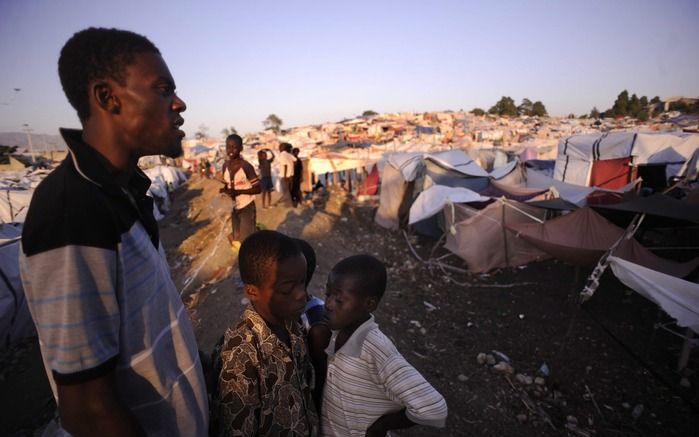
175	151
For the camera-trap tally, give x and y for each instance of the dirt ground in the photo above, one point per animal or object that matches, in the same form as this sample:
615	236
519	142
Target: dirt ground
600	369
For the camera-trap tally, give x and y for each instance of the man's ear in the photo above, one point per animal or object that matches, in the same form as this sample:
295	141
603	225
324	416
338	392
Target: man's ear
103	95
371	303
252	292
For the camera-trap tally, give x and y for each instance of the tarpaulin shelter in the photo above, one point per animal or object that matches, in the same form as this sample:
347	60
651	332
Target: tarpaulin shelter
15	321
370	185
677	297
483	239
607	159
424	211
583	237
397	185
454	168
576	194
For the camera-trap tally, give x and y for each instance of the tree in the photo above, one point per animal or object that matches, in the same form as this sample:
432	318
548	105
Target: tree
655	100
202	132
504	106
228	131
272	122
477	111
525	108
621	105
634	107
594	113
538	109
571	116
643	115
369	113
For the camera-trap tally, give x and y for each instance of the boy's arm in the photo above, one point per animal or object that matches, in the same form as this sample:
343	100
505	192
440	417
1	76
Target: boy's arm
423	404
318	339
252	178
238	389
272	158
387	422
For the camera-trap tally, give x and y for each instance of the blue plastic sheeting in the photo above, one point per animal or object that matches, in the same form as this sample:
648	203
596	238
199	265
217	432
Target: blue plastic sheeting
544	166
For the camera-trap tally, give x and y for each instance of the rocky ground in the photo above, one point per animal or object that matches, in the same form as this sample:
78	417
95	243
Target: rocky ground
511	351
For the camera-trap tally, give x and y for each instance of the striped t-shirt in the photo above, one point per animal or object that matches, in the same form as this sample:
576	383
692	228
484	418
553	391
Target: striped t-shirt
101	296
368	378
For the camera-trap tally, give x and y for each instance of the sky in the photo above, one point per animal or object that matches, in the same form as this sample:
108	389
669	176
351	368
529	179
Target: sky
309	62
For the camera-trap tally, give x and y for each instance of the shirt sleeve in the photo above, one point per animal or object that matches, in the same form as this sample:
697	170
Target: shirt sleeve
403	384
250	173
238	388
71	292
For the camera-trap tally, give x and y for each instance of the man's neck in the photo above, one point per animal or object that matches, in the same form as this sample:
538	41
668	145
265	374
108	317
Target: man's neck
117	155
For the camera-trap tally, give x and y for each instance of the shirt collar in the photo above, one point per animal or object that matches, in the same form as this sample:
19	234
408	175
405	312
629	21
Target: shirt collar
261	330
94	167
353	346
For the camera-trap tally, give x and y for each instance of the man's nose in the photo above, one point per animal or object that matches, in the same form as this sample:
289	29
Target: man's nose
178	105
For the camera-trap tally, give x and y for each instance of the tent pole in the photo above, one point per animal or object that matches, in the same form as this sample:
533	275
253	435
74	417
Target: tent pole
504	234
686	349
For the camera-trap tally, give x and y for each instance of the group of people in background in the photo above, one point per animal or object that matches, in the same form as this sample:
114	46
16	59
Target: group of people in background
117	342
242	184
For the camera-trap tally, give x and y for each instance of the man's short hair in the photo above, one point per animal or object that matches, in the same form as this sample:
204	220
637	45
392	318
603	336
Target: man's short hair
237	140
286	147
369	272
97	53
261	251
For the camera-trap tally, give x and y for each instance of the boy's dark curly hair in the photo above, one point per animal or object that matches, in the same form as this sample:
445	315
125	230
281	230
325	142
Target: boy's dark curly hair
262	250
370	274
97	53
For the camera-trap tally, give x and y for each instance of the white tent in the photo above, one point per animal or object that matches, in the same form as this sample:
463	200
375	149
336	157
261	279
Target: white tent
577	153
432	201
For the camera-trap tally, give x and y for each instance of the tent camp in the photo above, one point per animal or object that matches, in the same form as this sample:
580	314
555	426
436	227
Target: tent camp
607	160
15	320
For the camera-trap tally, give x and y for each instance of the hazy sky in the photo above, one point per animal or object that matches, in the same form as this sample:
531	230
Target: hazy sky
235	62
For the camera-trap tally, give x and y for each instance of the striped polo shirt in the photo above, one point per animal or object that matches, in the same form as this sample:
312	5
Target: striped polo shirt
368	378
101	296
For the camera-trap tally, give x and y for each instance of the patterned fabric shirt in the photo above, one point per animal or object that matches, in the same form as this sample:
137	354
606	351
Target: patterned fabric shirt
100	293
264	388
368	378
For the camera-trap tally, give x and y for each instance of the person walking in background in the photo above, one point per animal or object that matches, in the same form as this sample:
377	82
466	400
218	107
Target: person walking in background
285	163
266	185
116	340
241	184
297	178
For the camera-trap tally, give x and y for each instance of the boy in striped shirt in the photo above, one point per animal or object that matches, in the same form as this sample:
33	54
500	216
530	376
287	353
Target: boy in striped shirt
370	388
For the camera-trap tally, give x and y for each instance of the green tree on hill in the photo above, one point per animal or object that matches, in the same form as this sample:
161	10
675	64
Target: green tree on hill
525	108
594	113
505	106
369	113
477	111
538	109
272	122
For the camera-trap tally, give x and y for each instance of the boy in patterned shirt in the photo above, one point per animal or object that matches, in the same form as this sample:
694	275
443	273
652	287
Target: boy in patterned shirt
264	388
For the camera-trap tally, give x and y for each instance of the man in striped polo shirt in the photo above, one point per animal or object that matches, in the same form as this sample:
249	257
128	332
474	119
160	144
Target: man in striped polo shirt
116	340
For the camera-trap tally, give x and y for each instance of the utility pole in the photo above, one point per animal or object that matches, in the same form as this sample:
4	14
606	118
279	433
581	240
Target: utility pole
28	130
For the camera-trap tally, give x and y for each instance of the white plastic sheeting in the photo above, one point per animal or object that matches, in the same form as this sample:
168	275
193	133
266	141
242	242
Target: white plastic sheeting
432	201
15	320
163	180
576	194
677	297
